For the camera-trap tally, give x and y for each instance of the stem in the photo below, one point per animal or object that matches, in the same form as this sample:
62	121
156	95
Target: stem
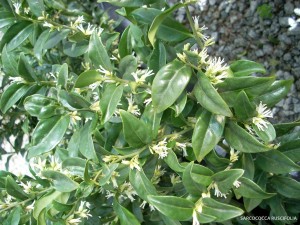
190	19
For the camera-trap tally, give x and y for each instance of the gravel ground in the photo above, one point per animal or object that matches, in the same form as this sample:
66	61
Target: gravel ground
242	33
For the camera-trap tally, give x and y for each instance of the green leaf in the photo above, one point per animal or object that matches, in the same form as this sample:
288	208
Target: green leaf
88	77
243	108
159	19
62	77
248	165
75	49
37	49
172	161
36	7
141	184
209	98
86	145
14	189
75	165
276	92
129	3
180	103
109	101
268	134
40	106
98	54
62	207
44	202
244	67
201	175
291	149
203	218
226	178
207	133
169	83
13	217
124	44
127	66
174	207
286	186
12	95
49	132
276	162
13	32
241	140
25	69
158	57
18	39
55	37
283	128
169	30
249	189
6	19
9	63
221	211
136	132
152	119
107	171
61	182
125	216
72	100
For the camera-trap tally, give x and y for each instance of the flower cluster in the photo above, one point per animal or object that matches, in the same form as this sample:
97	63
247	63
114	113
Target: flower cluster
262	113
160	148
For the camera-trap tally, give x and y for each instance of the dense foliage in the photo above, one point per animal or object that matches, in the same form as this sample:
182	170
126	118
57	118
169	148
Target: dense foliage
142	127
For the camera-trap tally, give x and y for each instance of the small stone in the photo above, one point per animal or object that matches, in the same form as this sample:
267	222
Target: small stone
233	19
215	36
287	57
252	34
212	2
259	53
289	8
268	49
253	6
281	103
284	21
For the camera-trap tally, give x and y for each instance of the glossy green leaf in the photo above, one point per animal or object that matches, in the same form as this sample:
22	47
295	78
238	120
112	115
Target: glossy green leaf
204	218
283	128
50	133
6	19
44	202
174	207
41	106
18	39
268	134
37	7
141	184
207	133
276	162
152	119
37	49
226	178
169	221
179	104
244	67
72	100
249	189
248	166
75	49
9	63
74	165
169	83
201	175
88	77
221	211
158	57
109	101
55	37
286	186
62	77
12	32
12	95
107	171
172	161
136	132
25	69
159	19
14	217
276	92
61	182
169	30
127	66
291	149
86	145
243	108
62	207
209	98
125	216
241	140
98	54
129	3
124	44
14	189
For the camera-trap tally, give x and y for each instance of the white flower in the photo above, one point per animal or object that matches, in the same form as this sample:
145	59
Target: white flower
148	101
297	11
141	75
88	31
26	187
128	190
74	117
161	149
40	164
73	221
133	109
218	193
158	172
197	209
105	72
174	179
237	184
54	164
262	113
17	6
133	163
113	178
233	155
95	106
26	10
293	23
30	207
215	70
79	20
47	24
182	147
82	212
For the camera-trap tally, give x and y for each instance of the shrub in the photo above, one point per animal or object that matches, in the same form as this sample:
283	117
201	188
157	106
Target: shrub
138	127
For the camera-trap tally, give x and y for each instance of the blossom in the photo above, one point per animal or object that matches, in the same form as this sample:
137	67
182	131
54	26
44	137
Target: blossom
74	117
30	207
82	212
133	163
161	149
237	184
40	164
73	221
88	31
197	209
17	6
95	106
127	189
47	24
216	71
182	147
174	179
158	172
144	204
262	113
26	187
218	193
132	108
26	10
54	164
141	75
233	155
